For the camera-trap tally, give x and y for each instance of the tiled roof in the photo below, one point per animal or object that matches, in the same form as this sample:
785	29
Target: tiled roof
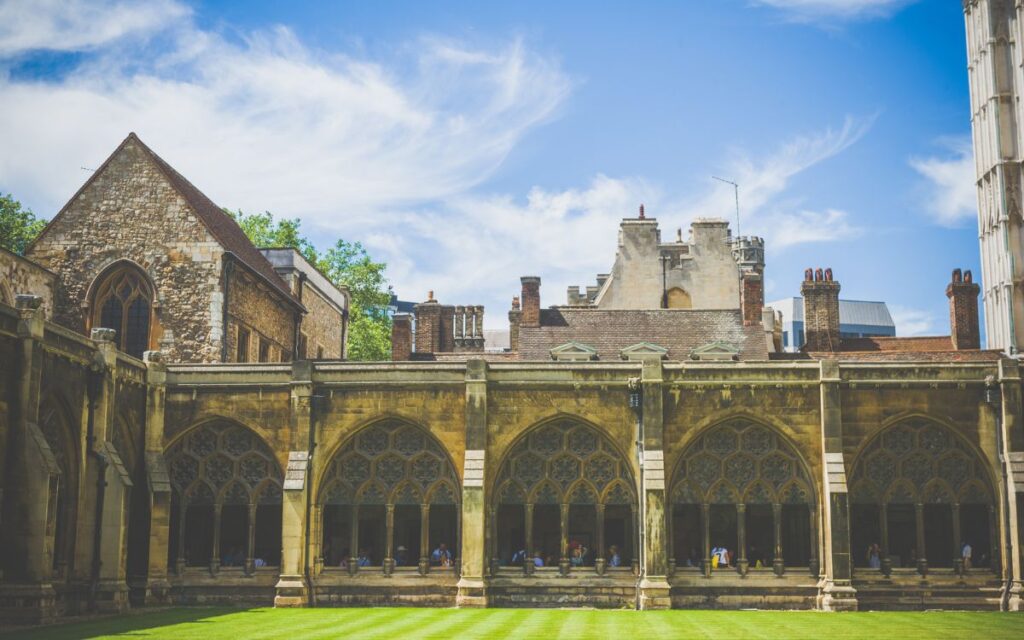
221	225
610	331
888	349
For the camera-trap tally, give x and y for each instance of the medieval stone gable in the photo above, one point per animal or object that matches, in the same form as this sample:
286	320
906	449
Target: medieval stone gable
129	214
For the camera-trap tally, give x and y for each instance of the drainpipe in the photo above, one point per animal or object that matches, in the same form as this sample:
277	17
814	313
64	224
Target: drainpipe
94	383
228	269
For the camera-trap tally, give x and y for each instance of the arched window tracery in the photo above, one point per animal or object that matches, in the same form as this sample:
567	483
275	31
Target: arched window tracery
920	492
226	502
390	497
123	301
56	426
743	487
565	494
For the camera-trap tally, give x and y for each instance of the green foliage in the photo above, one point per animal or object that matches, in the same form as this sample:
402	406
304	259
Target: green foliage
18	227
347	264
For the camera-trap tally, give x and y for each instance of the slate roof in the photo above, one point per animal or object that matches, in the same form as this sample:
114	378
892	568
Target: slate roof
892	349
220	225
610	331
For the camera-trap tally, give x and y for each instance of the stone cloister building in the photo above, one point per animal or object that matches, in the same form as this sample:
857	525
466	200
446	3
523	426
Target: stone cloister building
649	434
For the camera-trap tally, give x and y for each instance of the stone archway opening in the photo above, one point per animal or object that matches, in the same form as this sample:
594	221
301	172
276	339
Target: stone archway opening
564	498
742	497
389	499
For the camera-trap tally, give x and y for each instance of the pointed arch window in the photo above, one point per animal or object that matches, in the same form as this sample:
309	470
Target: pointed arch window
123	301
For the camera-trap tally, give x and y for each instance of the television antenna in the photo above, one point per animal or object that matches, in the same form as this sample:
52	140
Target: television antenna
736	190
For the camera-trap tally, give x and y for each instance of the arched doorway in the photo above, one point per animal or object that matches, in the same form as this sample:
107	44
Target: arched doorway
564	496
390	498
742	487
225	501
920	492
122	300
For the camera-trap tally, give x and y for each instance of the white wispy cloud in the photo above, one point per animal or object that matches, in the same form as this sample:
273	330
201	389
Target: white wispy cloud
75	25
265	122
391	153
950	194
814	10
913	322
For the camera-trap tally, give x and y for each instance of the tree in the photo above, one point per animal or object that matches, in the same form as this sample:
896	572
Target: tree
347	264
18	227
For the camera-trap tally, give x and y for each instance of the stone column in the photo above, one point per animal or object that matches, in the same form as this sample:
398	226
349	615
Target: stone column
473	557
30	512
182	517
1012	438
563	539
958	561
813	564
492	541
670	540
250	542
922	559
460	325
424	563
528	523
778	562
600	562
110	594
884	526
388	565
705	520
741	538
353	548
215	552
654	587
157	585
292	589
836	591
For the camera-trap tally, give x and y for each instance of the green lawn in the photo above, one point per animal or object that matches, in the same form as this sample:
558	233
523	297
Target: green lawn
451	624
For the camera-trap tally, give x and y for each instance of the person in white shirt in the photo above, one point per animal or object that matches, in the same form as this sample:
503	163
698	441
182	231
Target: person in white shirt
965	553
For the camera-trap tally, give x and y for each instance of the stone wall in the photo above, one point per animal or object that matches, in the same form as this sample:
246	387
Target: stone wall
253	305
129	212
21	276
322	325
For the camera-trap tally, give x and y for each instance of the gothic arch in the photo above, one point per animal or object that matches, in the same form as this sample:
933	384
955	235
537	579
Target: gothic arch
563	484
123	298
388	469
678	298
919	490
223	474
741	484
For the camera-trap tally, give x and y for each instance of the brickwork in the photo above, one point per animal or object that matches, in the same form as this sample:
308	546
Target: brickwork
252	305
129	211
18	275
530	301
752	298
821	310
401	337
428	325
962	292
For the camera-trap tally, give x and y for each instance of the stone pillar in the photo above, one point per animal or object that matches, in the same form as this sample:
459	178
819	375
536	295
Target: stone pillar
528	535
109	593
600	563
814	563
250	541
30	513
654	587
741	539
353	547
836	592
478	326
463	321
922	556
389	540
958	561
472	582
563	539
424	563
1012	438
215	551
884	526
292	589
778	562
157	586
705	525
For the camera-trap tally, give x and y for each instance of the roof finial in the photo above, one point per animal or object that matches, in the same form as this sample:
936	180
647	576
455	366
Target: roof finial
430	295
642	212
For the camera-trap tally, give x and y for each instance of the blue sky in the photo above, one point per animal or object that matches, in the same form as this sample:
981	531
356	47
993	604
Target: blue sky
469	143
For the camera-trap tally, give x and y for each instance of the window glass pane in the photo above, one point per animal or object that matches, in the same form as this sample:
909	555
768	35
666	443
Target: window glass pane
136	338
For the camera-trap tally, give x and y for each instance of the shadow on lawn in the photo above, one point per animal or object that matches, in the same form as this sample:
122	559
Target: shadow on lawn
130	624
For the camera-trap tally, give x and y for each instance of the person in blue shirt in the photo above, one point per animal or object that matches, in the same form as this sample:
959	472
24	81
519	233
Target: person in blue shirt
538	560
519	557
364	558
614	559
441	556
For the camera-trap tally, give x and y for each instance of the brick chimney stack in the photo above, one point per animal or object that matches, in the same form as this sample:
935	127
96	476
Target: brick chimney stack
401	337
515	317
752	297
428	325
964	327
531	301
821	310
